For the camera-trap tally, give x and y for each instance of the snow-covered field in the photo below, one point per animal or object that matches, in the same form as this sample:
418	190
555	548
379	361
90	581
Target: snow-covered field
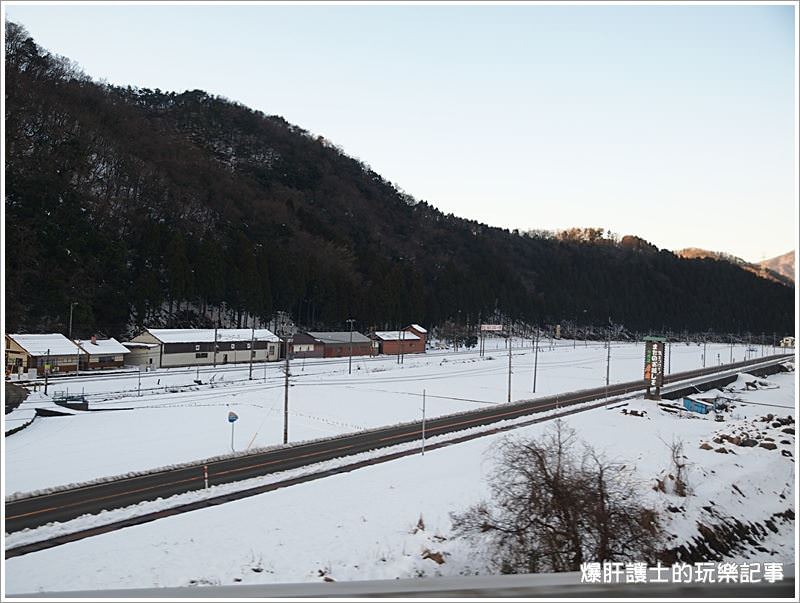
364	524
175	420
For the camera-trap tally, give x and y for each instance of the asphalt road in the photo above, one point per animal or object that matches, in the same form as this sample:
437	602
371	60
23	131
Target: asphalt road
70	503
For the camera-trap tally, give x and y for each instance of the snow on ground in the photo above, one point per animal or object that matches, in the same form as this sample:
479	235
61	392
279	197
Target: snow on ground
175	420
364	524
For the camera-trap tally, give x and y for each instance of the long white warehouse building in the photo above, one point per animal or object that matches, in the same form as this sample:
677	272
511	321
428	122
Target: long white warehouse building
156	348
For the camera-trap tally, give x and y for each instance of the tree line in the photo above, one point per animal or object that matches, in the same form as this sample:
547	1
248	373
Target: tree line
186	209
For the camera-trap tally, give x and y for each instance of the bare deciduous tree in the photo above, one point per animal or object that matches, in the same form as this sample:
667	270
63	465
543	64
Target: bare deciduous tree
556	504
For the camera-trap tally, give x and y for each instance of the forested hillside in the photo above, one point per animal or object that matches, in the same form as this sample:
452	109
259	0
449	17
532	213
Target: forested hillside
151	207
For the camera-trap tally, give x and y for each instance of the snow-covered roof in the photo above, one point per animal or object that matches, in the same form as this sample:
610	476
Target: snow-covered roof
39	344
207	335
102	346
338	336
396	335
418	328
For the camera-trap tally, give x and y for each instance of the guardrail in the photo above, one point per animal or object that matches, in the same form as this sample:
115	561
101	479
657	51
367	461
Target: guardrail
566	584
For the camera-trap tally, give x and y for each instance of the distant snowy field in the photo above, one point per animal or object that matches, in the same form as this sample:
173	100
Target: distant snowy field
361	525
174	420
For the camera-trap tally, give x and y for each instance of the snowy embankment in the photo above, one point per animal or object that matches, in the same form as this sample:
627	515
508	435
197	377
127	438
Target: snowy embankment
392	520
176	421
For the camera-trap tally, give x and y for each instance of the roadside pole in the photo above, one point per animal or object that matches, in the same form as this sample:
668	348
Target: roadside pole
669	357
350	357
286	395
139	388
509	366
608	365
215	346
535	359
252	351
704	352
46	369
423	422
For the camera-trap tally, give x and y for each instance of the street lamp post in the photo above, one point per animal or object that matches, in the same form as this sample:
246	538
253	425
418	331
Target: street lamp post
286	394
71	306
252	350
46	369
535	358
350	361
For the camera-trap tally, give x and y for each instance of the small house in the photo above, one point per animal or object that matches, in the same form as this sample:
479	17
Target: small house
330	344
397	342
101	353
787	342
51	352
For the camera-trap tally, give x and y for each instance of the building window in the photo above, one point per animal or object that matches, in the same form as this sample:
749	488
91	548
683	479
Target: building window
271	350
197	355
197	348
233	346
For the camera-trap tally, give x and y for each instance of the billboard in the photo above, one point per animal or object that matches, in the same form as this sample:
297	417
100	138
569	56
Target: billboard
654	366
491	327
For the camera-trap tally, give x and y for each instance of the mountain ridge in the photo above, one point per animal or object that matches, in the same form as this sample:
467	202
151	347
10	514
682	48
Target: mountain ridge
186	209
762	269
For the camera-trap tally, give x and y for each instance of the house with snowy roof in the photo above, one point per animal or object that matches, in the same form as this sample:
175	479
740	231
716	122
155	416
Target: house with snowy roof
41	351
101	353
410	340
196	347
330	344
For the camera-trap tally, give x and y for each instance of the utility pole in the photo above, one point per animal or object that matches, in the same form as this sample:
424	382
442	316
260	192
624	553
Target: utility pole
252	350
71	305
608	362
215	346
423	422
575	333
286	395
509	366
139	388
731	349
535	358
398	347
46	369
704	351
669	357
402	346
350	361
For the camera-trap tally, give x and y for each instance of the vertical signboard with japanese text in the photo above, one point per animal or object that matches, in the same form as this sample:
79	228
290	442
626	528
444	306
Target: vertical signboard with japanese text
654	366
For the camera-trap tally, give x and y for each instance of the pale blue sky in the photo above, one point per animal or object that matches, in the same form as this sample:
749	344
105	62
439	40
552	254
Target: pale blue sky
675	123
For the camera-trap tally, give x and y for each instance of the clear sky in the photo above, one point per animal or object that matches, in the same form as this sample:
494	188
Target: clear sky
675	123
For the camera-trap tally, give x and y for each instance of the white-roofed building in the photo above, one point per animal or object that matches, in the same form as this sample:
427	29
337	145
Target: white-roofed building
191	347
45	351
102	353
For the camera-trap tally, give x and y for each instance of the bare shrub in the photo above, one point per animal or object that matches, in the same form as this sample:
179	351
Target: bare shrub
556	505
